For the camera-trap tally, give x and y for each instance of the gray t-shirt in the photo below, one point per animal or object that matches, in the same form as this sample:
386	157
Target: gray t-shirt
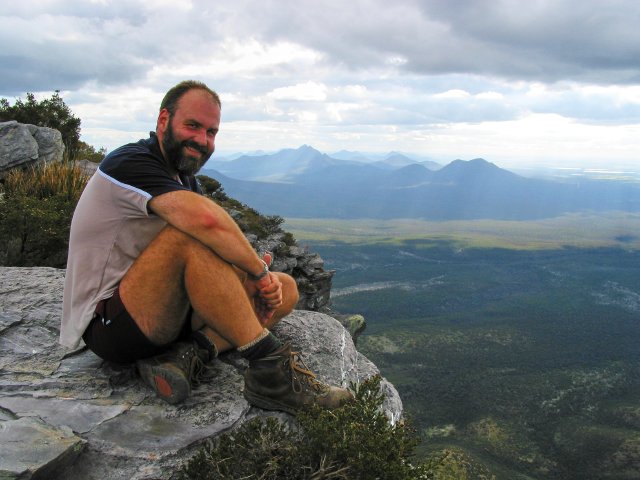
111	227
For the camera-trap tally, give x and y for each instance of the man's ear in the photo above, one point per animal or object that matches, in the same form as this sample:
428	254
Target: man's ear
163	121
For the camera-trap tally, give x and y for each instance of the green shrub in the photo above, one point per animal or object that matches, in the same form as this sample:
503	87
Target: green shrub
450	464
36	207
355	441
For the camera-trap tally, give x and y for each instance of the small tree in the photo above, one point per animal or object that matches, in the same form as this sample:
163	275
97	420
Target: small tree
50	112
88	152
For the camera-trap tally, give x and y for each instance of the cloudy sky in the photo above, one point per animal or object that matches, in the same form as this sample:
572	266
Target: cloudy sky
517	82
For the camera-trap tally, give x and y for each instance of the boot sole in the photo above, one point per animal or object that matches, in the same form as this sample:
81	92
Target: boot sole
168	385
267	403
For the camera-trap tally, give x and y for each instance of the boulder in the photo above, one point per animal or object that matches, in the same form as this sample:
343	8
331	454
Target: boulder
23	145
68	414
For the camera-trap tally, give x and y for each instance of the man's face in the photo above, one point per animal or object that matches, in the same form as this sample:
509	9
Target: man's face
188	136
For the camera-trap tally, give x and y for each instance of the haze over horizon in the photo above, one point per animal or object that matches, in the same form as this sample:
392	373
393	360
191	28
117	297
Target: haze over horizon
516	83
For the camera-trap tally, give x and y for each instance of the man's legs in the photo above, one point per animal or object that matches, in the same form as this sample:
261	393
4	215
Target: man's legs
290	299
175	272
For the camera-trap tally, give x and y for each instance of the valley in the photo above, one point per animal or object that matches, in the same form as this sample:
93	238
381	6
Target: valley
522	354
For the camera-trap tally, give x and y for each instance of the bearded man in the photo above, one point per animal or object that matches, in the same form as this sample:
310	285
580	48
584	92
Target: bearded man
162	276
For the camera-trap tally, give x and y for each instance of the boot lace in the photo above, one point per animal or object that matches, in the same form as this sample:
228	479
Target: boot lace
301	375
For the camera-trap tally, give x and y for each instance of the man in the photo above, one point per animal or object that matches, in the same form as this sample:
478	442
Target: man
162	276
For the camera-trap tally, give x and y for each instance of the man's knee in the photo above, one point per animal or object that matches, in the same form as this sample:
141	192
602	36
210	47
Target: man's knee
177	240
289	290
178	245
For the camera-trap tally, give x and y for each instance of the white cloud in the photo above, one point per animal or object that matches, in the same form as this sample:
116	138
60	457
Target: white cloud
308	91
456	94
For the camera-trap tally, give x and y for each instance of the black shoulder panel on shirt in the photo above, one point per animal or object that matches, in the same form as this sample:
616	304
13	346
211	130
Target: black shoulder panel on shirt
141	165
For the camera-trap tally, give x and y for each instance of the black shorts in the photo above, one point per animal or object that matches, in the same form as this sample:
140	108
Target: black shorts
114	336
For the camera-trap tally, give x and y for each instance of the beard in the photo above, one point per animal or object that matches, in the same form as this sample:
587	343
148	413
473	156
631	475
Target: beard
178	158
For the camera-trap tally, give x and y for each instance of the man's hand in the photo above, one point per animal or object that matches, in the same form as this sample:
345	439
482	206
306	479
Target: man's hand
267	296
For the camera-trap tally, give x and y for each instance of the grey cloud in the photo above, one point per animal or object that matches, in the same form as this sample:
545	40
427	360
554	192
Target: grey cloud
59	52
120	42
594	108
565	39
584	40
64	45
423	46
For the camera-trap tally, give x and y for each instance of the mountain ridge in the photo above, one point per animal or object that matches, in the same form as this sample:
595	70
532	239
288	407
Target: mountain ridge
307	183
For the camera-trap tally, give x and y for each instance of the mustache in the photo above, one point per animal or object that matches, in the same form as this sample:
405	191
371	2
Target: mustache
194	145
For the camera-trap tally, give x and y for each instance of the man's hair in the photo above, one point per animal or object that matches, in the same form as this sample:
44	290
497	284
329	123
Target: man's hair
172	97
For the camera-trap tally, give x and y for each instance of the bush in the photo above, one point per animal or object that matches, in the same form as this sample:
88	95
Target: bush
355	441
450	464
36	207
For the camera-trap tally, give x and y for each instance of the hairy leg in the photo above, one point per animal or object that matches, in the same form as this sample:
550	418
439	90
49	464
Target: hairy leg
289	297
176	271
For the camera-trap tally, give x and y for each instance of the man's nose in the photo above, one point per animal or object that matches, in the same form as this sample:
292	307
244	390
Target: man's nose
201	138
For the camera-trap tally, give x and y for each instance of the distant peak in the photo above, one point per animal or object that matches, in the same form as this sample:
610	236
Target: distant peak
476	162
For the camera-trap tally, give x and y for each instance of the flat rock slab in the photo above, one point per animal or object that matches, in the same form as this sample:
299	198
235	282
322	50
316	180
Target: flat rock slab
34	449
68	414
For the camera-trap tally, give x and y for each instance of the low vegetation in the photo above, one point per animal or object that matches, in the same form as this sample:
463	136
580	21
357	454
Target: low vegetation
36	206
356	441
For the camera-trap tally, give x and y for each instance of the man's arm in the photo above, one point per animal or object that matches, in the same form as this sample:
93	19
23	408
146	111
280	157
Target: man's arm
209	223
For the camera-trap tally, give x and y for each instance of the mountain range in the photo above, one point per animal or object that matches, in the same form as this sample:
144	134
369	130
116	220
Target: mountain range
304	182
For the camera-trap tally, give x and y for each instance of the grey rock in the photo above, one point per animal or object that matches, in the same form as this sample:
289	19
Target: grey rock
50	146
22	145
296	251
87	167
95	417
329	351
33	449
314	283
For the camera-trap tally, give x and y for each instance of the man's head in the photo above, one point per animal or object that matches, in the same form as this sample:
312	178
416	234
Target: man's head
187	125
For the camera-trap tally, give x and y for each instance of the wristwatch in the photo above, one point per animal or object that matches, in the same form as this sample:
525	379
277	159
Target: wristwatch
261	275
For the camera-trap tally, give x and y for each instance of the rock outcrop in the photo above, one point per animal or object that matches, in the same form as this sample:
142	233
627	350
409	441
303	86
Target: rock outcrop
314	282
87	167
67	414
22	145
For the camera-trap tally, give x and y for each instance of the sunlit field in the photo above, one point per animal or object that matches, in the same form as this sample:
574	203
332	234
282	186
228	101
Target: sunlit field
578	230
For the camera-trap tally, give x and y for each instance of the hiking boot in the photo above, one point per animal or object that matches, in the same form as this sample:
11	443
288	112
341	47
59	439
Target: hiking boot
281	381
172	373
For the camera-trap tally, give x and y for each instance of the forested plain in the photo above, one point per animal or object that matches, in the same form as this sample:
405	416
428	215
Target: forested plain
524	358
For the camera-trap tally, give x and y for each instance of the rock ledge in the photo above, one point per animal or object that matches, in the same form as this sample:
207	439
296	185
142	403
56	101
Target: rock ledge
70	415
